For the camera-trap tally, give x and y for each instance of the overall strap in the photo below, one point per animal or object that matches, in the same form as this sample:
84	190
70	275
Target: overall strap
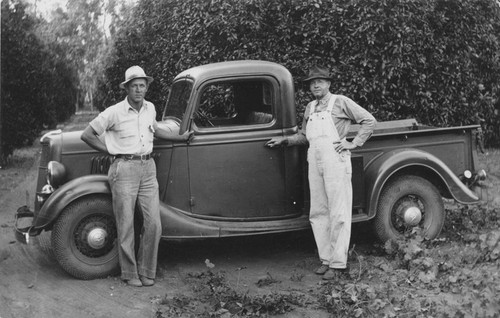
312	108
331	103
329	110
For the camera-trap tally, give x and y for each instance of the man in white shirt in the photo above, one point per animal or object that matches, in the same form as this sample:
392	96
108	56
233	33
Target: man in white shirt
128	129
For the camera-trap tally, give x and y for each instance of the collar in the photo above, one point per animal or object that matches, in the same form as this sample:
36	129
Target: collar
128	107
325	98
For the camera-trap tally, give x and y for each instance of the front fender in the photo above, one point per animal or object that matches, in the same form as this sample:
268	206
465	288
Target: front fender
66	194
382	168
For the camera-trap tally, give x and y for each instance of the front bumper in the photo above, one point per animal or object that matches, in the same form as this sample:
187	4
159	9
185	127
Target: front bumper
23	234
478	186
481	190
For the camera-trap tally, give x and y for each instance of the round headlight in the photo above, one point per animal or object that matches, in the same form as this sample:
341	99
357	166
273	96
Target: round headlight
467	174
56	173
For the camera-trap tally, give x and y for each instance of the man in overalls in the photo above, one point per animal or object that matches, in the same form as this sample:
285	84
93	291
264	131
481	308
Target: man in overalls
326	123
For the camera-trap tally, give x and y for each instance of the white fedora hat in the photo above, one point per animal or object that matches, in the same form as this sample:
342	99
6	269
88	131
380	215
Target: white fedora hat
134	72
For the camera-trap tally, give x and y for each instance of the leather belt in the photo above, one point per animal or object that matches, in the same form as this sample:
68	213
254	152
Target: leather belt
135	157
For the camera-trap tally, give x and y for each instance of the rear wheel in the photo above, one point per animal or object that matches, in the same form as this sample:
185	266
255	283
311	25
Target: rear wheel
408	202
84	238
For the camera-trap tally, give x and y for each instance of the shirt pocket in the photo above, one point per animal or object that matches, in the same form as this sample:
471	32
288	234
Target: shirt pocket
127	134
147	132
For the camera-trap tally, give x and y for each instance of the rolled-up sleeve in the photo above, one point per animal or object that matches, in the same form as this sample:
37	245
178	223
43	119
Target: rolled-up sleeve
101	123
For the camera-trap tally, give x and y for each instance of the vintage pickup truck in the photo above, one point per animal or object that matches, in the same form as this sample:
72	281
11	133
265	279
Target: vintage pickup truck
224	181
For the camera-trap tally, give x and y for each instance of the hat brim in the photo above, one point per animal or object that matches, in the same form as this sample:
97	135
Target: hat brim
317	77
149	79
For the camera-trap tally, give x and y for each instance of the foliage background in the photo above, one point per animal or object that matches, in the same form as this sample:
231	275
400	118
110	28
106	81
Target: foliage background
437	60
51	64
37	85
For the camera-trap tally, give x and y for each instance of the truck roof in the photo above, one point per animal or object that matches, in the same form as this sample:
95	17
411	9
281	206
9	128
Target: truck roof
231	68
285	99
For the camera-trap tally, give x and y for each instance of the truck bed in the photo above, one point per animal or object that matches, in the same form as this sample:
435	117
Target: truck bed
451	144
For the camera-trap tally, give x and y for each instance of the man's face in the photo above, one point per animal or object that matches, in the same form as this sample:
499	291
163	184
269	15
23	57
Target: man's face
136	90
319	87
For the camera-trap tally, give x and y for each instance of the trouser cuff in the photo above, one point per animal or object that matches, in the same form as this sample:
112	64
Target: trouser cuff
147	273
129	275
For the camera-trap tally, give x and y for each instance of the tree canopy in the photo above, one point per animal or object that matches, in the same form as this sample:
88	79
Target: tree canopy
50	68
437	61
37	85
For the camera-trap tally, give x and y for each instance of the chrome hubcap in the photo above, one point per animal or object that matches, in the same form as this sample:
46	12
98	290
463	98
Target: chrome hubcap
412	216
96	238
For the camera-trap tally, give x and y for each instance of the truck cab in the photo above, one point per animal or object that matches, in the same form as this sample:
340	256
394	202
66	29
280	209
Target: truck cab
233	109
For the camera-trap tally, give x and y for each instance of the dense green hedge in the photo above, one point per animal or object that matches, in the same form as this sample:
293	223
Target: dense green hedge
37	86
437	60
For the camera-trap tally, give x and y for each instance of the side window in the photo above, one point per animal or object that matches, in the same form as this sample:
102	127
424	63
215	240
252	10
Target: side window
238	103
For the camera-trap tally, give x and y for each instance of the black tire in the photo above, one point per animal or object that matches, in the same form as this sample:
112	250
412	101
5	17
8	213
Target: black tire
402	193
75	252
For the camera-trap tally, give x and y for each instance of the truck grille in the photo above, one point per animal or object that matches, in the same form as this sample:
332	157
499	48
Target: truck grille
42	172
45	156
100	164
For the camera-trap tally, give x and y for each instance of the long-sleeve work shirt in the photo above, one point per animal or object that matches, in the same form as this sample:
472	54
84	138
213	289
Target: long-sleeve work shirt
345	112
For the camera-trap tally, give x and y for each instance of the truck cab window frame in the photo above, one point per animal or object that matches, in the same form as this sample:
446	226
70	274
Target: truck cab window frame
235	104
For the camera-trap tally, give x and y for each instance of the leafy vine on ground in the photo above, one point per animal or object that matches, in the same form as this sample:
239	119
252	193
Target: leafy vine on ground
447	277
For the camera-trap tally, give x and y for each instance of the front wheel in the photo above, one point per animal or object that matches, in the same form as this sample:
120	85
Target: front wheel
84	238
408	202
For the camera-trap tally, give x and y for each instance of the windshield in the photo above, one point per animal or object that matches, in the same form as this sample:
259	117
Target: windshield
177	100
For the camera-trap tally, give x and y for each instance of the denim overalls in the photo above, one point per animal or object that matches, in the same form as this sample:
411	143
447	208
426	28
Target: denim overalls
330	186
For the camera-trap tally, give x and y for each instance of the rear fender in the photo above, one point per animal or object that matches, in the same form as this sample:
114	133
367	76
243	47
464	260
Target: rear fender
382	168
66	194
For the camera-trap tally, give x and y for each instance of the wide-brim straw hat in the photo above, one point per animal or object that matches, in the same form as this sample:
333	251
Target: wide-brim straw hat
134	72
318	72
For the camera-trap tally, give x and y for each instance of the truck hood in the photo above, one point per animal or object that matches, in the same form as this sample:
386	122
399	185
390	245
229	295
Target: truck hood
71	142
55	144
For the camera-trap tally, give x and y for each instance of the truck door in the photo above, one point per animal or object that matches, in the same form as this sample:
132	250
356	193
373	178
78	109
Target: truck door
232	174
